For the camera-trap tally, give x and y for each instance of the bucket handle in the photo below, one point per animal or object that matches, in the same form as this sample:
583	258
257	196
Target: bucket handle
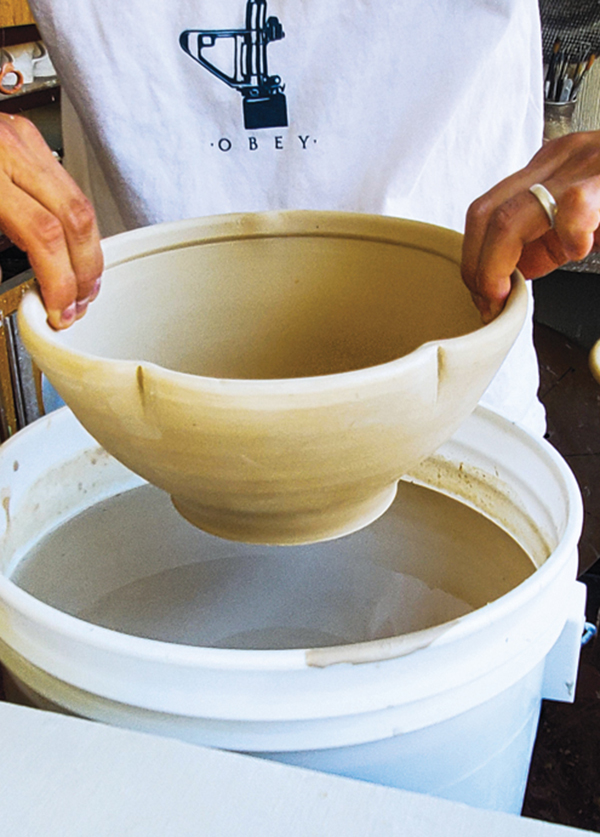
562	662
589	632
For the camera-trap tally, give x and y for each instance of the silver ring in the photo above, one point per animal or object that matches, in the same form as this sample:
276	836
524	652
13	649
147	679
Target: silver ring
546	201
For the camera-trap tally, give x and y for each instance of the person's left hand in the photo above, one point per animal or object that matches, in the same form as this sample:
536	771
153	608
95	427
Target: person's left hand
508	228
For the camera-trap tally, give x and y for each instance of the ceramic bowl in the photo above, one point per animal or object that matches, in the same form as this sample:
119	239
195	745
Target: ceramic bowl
276	373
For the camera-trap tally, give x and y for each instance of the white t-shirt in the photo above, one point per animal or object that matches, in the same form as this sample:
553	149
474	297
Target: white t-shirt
410	108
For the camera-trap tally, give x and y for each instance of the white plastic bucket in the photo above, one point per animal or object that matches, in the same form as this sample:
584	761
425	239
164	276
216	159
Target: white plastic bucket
450	709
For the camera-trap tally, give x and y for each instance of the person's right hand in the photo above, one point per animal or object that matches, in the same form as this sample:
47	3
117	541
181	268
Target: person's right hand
45	214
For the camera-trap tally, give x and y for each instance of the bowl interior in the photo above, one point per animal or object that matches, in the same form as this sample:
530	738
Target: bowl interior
275	306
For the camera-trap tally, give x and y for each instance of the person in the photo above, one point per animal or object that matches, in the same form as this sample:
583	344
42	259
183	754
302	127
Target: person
43	212
210	106
516	226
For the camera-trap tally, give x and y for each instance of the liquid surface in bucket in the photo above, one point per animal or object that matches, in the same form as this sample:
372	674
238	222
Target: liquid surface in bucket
132	564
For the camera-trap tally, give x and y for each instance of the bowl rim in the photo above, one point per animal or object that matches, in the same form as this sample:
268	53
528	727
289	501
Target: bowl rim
164	237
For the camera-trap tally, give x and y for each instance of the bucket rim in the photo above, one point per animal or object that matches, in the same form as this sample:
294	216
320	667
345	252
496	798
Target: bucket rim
45	618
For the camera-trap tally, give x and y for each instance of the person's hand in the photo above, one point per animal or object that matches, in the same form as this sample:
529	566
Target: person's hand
45	214
508	227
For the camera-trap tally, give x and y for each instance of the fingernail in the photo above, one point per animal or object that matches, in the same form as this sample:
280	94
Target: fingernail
81	307
95	290
82	304
67	317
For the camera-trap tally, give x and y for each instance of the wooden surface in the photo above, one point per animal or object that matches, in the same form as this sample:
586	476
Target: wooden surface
572	400
36	95
15	13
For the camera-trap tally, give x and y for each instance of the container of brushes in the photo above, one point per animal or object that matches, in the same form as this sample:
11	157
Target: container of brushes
558	119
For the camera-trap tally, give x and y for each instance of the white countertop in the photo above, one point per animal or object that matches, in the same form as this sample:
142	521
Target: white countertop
66	777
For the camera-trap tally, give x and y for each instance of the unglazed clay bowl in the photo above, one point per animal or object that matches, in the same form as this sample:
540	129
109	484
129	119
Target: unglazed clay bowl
276	373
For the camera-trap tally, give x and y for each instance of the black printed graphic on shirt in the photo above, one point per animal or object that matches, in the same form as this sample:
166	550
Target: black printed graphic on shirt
264	102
